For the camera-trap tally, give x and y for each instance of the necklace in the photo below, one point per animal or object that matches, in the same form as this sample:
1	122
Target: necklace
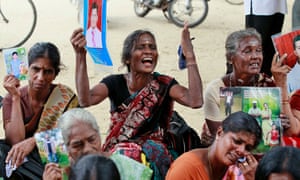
132	85
241	82
128	82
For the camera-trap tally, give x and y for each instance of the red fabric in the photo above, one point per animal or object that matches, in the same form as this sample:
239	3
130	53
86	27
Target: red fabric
295	100
131	119
291	141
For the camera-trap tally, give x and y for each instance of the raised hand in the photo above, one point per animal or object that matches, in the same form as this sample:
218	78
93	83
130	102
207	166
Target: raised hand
78	41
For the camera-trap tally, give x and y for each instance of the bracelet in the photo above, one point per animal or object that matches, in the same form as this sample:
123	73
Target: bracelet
191	64
286	101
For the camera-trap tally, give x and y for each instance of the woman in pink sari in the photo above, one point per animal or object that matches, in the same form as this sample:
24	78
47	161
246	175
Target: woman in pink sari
141	100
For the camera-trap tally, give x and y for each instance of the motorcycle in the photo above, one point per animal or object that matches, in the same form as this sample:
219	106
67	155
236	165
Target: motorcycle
177	11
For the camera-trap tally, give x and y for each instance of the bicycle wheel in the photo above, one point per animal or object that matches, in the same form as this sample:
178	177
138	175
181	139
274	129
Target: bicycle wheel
21	16
192	11
235	2
140	8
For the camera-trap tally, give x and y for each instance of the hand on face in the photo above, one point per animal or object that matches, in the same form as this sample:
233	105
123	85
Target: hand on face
78	41
233	146
248	167
11	84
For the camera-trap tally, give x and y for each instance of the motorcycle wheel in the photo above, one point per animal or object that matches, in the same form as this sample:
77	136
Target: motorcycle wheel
140	8
179	12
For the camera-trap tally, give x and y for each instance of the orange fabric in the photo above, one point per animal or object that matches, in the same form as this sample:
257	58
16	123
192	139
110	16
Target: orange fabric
187	167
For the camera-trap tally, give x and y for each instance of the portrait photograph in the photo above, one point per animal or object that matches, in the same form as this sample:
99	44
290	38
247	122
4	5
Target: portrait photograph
16	63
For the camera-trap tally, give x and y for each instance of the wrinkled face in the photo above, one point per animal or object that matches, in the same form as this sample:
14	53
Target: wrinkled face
297	49
280	176
248	58
94	18
41	74
232	146
144	55
83	140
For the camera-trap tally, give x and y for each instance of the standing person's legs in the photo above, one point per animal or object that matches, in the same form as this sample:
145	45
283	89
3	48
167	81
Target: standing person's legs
296	15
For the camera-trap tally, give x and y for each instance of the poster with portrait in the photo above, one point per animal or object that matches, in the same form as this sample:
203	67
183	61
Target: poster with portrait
284	43
51	147
15	62
262	103
94	25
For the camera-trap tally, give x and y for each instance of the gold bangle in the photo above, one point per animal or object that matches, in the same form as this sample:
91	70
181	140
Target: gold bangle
285	101
191	64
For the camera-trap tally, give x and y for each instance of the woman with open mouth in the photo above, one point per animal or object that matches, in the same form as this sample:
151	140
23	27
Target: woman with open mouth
142	99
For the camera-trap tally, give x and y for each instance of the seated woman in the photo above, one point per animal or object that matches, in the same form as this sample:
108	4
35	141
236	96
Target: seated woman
238	135
141	100
36	106
81	135
279	163
244	52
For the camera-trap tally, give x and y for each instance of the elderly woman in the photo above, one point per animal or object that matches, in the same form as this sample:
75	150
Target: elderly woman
81	135
238	135
141	100
244	52
36	106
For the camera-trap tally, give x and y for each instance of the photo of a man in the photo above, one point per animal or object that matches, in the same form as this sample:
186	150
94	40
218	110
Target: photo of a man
293	77
15	64
94	34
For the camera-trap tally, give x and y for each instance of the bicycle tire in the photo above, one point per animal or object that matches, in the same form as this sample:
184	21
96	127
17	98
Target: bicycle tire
31	28
235	2
140	9
179	13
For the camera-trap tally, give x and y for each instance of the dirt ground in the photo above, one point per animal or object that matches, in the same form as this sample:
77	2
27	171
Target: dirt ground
58	18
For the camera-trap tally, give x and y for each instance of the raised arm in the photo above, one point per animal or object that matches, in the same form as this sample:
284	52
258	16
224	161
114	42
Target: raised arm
279	72
193	95
87	96
12	113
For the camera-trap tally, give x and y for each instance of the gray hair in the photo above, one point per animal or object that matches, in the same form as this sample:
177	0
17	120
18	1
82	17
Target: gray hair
234	39
73	116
